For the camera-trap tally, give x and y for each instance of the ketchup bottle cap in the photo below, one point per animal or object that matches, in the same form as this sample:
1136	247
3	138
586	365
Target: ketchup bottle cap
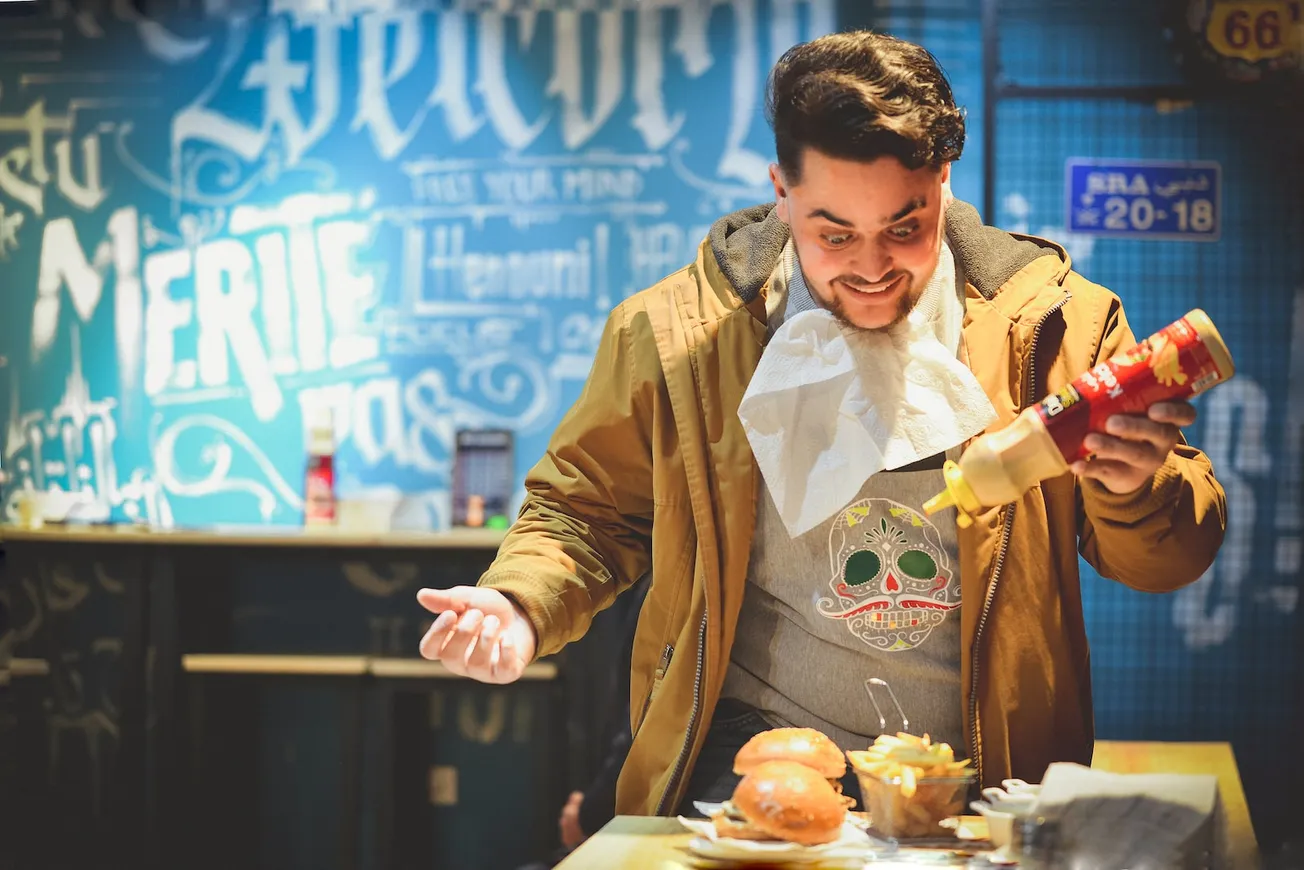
957	494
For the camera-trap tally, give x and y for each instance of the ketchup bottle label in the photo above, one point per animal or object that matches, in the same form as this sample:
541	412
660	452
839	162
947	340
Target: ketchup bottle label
319	492
1172	364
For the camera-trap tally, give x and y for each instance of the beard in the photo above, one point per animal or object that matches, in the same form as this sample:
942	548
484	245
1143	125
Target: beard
905	304
826	296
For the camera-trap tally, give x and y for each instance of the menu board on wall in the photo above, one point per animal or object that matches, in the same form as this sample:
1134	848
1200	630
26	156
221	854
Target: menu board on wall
212	223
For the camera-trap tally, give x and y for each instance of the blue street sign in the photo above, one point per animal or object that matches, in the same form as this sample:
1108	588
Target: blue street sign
1147	199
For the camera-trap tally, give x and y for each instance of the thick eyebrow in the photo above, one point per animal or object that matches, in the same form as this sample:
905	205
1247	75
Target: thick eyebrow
912	206
830	217
917	203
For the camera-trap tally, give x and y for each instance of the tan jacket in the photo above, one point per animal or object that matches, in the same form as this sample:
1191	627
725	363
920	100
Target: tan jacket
650	470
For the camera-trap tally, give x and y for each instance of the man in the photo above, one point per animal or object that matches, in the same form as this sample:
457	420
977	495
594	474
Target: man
790	579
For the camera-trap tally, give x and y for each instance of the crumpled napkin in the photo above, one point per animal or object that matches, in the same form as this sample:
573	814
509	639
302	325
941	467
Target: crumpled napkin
830	405
1134	820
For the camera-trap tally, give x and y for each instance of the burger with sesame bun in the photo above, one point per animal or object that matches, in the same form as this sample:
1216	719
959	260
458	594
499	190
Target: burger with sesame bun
802	745
791	789
783	800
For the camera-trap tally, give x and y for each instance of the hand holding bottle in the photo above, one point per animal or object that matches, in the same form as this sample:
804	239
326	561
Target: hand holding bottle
1135	446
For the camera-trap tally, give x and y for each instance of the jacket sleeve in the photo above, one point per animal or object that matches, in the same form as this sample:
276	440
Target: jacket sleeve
1167	533
583	533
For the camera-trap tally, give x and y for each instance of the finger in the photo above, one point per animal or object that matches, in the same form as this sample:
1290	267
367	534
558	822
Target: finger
439	600
1135	453
480	653
1134	428
437	634
458	644
492	628
1179	414
504	668
1107	471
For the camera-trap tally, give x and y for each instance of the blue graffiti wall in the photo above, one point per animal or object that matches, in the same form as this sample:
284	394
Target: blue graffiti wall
212	225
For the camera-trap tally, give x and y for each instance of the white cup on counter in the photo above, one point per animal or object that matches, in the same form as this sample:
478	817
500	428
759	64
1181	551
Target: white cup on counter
1004	806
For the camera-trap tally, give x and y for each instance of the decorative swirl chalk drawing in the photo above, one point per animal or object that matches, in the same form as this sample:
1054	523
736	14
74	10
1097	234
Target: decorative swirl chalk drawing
219	455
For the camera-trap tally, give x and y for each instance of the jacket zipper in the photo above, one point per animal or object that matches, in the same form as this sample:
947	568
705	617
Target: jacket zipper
999	564
1028	398
663	665
692	721
977	639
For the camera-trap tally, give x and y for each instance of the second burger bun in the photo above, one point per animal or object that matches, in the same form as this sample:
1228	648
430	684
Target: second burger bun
802	745
790	801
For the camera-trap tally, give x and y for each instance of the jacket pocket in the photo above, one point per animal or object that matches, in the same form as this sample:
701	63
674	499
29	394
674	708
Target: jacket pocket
663	664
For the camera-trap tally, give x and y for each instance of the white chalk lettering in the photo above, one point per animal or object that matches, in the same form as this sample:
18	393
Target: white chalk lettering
380	402
471	86
10	224
739	162
64	264
85	195
1289	512
292	299
350	292
164	315
34	124
280	79
24	170
517	275
225	297
378	73
504	115
568	76
278	306
451	92
68	453
657	250
651	121
1207	611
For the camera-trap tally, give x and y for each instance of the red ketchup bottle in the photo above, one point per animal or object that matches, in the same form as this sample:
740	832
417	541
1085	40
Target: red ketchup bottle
1177	362
319	482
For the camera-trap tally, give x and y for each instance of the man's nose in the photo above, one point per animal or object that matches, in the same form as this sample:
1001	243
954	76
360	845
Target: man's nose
873	263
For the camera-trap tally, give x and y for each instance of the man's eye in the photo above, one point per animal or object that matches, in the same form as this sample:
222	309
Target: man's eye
837	241
904	232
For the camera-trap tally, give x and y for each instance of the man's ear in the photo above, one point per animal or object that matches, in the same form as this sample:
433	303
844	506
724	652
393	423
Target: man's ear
780	193
947	196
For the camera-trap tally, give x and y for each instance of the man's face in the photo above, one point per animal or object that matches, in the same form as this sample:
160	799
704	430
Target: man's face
868	235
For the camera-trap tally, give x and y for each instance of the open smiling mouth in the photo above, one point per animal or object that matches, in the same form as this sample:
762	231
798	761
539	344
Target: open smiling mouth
876	289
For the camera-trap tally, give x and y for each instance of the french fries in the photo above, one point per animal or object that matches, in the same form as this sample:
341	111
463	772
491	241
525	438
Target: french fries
910	784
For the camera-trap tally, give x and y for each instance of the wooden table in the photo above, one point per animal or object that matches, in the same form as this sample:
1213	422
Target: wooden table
633	843
649	843
658	843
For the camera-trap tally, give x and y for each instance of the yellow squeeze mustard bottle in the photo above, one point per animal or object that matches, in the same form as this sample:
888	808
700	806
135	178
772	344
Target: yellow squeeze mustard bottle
1181	360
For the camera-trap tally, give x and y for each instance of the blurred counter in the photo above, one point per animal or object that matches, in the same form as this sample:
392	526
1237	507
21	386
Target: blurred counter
255	536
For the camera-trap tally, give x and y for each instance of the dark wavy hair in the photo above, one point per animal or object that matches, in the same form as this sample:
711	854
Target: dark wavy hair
860	96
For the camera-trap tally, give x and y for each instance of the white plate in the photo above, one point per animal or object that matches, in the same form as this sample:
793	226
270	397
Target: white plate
851	846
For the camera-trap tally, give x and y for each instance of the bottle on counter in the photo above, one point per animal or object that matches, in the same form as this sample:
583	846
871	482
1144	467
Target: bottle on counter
1181	360
319	482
